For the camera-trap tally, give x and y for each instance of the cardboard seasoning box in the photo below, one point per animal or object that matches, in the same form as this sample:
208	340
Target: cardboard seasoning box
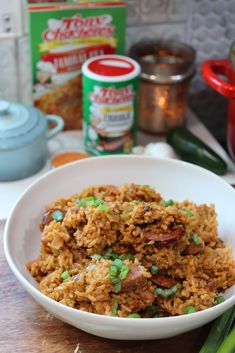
62	36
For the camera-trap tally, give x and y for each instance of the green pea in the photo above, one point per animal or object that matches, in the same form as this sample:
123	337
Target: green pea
188	212
134	316
154	269
168	203
189	309
220	299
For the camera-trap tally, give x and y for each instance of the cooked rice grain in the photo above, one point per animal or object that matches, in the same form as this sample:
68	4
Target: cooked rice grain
135	226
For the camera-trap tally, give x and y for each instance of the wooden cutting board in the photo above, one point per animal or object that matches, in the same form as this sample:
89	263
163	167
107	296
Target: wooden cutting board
25	327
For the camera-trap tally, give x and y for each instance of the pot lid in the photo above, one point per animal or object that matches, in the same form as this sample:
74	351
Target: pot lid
19	124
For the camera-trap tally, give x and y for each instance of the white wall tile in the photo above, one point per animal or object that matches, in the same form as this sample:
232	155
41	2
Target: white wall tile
24	70
24	16
11	17
154	11
166	31
133	12
8	70
157	11
179	10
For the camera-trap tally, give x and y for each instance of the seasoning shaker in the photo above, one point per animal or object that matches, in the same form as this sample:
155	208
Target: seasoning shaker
167	68
110	104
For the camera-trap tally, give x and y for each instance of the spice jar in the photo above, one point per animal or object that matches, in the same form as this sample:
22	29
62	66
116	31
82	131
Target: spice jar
167	67
110	104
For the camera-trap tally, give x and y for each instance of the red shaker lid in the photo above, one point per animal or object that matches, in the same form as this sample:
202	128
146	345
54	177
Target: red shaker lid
111	68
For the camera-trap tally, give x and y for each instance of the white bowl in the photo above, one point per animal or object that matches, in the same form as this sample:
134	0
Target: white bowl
173	179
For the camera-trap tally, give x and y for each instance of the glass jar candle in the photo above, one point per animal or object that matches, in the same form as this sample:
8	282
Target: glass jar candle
167	68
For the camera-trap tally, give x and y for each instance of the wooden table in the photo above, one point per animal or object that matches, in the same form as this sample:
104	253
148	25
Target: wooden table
25	327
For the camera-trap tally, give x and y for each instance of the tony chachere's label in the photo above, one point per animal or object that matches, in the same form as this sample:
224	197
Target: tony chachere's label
110	108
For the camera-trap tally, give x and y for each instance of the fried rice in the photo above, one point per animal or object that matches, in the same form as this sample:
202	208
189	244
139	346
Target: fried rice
127	252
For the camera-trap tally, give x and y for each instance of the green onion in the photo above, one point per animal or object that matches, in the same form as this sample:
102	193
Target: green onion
154	269
145	186
96	257
219	330
113	270
134	316
98	202
90	203
220	299
117	285
89	198
166	292
189	309
151	309
65	275
196	239
67	280
130	257
115	307
118	263
136	202
110	254
81	203
103	207
57	216
188	212
127	257
158	315
124	272
168	203
228	345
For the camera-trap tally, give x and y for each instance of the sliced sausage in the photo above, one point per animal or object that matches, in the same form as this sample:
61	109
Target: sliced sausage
147	208
161	239
111	189
47	216
163	281
211	285
192	249
135	279
147	297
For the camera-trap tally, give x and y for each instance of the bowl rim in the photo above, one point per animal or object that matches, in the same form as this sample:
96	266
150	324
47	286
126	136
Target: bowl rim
217	309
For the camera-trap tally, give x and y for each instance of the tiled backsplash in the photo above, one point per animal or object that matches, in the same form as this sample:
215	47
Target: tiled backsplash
157	19
208	25
9	77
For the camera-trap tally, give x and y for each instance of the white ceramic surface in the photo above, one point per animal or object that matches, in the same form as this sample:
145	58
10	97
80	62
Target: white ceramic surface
173	179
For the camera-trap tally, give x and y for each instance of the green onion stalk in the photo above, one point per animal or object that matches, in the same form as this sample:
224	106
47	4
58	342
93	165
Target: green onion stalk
219	339
228	345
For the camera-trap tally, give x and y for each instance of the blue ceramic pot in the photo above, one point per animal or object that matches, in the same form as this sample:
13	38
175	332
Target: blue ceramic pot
24	133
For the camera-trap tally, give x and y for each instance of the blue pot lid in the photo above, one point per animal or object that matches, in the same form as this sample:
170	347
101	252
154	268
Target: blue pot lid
20	125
